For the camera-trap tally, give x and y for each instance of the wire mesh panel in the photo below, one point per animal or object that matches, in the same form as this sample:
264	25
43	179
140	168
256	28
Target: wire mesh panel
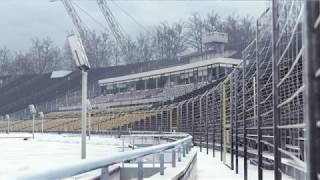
249	105
226	116
239	122
183	117
210	120
217	119
289	85
264	101
197	121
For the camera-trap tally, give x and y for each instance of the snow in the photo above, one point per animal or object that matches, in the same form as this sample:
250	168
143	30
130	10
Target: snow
59	74
209	168
48	150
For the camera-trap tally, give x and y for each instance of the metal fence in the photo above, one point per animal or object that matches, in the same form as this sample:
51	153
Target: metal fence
267	109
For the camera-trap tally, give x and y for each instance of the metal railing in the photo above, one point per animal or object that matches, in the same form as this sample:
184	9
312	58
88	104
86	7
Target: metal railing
182	146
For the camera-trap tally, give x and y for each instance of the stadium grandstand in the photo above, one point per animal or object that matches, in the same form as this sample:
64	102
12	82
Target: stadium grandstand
112	99
257	109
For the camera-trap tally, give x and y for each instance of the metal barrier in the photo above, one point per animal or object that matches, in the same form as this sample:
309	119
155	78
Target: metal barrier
181	146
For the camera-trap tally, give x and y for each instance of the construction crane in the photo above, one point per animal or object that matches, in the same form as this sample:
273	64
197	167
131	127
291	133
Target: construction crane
114	26
76	20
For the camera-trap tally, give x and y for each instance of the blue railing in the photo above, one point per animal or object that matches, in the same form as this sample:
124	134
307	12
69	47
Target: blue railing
183	146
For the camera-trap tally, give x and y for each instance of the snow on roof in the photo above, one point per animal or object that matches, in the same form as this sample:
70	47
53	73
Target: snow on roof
158	72
59	74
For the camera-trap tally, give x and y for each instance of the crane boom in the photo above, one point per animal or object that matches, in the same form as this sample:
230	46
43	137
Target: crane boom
112	23
76	20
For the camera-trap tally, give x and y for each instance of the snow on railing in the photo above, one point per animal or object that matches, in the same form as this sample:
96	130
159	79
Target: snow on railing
183	146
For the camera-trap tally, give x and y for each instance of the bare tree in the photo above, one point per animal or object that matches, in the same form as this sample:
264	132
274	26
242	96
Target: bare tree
5	58
213	22
144	48
98	49
169	40
240	31
44	55
195	32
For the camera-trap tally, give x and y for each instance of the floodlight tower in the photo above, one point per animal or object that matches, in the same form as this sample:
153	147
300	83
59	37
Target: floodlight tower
41	115
80	57
7	117
33	112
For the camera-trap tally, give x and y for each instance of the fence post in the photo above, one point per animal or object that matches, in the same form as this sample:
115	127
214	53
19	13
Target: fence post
183	150
200	129
179	154
275	90
311	77
161	160
258	74
105	173
140	168
173	157
187	148
245	162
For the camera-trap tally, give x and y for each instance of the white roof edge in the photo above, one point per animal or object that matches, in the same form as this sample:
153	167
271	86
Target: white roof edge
229	61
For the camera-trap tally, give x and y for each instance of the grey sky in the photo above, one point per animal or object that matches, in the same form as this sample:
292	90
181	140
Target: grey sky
22	20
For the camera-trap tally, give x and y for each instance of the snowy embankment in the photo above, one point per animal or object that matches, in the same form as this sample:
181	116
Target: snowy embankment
48	150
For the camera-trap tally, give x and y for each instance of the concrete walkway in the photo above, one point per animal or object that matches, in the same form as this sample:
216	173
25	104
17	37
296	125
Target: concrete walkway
209	168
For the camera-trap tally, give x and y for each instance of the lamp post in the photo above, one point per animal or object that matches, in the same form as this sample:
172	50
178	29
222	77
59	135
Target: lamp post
89	107
81	60
8	119
33	111
41	115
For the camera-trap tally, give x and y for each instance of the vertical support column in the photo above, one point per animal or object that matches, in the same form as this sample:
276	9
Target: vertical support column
187	116
173	157
245	158
84	114
236	125
213	125
145	84
179	154
161	121
161	160
221	124
157	81
311	75
8	121
157	121
192	126
178	119
207	128
231	122
258	74
275	90
183	150
140	169
105	173
170	124
33	119
200	129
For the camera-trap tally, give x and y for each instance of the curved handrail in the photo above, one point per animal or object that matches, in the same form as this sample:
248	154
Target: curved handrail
88	165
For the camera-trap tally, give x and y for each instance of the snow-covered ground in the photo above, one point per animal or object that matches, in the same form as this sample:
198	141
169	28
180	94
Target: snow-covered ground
47	150
209	168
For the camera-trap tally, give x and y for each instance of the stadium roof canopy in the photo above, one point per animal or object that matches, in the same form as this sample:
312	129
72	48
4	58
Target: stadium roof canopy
223	62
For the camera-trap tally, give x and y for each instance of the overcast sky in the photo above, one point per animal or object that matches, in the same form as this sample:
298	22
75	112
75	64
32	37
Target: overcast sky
23	20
